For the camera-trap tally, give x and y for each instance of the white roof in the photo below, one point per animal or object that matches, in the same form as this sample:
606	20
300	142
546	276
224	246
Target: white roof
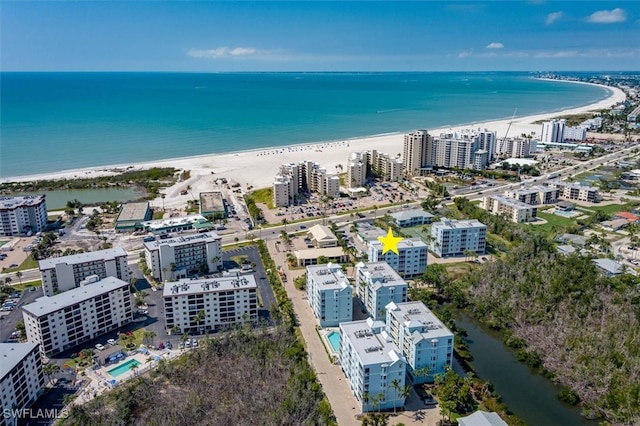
410	214
329	276
481	418
415	315
372	347
512	202
49	304
21	201
75	259
458	224
175	221
519	161
11	354
612	267
208	285
380	274
207	237
317	252
405	244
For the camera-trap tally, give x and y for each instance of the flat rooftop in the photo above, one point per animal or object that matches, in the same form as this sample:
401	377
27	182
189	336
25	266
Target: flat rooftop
328	277
512	202
315	253
49	304
11	354
133	212
211	202
458	224
531	190
410	214
208	285
405	244
371	347
21	201
416	314
173	222
205	237
75	259
381	274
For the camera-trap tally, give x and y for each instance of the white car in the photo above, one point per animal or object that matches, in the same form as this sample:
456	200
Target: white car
111	342
99	347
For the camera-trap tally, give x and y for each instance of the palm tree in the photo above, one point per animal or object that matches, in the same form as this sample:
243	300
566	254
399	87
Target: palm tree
19	275
163	196
50	369
422	371
365	399
198	318
395	384
7	280
148	336
284	223
134	368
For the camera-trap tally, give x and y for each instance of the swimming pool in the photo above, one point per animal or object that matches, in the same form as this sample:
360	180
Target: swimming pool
121	369
334	340
568	214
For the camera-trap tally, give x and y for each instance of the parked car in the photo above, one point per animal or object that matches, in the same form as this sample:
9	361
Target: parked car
161	345
13	265
111	342
99	347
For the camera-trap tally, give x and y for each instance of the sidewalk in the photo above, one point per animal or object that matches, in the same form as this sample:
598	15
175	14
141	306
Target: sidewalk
335	386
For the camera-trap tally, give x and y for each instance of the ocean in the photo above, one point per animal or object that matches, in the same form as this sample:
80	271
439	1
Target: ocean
59	121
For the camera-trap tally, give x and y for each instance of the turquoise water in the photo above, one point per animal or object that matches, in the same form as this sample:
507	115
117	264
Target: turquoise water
3	242
61	121
334	339
121	369
568	214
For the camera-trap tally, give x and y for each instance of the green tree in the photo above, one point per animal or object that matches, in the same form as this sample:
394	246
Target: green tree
50	369
395	384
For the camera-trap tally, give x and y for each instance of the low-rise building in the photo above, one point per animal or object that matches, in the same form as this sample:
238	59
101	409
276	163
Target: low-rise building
413	217
614	225
425	342
71	318
322	237
575	191
628	216
481	418
377	285
67	272
181	257
374	367
213	204
516	211
313	256
410	261
21	376
612	268
22	214
455	237
132	215
330	294
203	305
534	195
174	224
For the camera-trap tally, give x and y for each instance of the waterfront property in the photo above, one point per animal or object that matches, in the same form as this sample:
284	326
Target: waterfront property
455	237
21	376
71	318
372	364
377	284
410	261
387	167
481	418
330	294
201	305
132	215
183	256
515	210
425	342
67	272
22	214
297	178
414	217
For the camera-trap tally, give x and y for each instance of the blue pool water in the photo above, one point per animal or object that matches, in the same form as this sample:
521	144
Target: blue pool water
121	369
334	339
568	214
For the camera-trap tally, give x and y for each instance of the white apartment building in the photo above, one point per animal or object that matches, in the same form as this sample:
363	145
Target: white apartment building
21	376
21	214
452	237
306	176
516	211
553	131
67	272
415	151
377	285
516	147
68	319
388	167
223	302
451	151
330	294
574	134
372	364
356	170
534	194
410	261
575	191
181	257
425	342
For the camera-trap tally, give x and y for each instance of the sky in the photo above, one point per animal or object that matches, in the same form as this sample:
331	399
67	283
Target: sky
210	36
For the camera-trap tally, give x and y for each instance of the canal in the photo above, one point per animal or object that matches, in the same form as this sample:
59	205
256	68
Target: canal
528	395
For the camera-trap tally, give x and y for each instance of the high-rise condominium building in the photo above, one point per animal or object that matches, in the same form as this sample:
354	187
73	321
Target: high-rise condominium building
416	146
455	237
410	261
22	214
330	294
21	377
305	176
67	272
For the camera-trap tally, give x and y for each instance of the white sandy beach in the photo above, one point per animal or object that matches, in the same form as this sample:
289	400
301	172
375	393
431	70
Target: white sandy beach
257	168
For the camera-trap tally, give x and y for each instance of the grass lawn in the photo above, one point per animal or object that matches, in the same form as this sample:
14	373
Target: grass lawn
227	247
497	242
263	195
613	208
24	286
239	260
458	269
29	263
553	221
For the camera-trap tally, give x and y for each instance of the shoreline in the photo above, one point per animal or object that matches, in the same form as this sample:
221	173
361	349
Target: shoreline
236	166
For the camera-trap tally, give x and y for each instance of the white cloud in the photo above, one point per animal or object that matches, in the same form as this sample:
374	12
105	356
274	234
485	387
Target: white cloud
553	17
559	54
495	45
221	52
608	16
464	54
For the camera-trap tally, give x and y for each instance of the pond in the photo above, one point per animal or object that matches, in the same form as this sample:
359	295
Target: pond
527	394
